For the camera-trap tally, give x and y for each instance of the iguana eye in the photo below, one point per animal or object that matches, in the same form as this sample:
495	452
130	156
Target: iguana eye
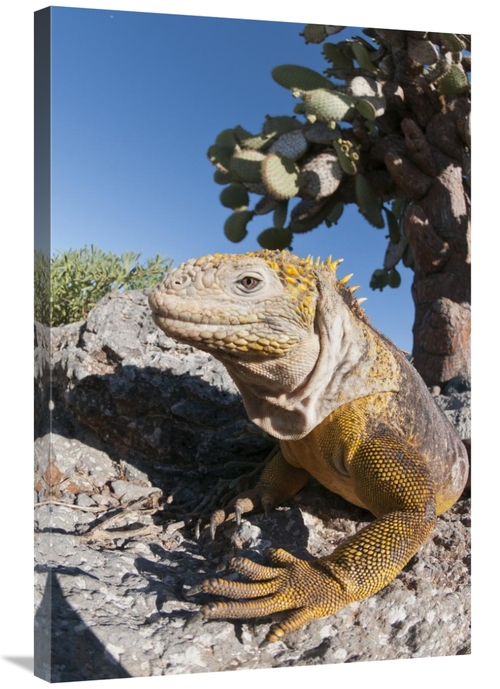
249	283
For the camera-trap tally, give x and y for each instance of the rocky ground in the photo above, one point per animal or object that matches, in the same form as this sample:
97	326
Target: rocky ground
146	438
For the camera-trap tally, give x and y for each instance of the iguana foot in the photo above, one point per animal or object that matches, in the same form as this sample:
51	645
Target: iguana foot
258	498
278	482
299	586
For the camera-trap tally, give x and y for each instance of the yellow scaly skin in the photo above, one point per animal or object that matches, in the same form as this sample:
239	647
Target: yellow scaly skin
348	409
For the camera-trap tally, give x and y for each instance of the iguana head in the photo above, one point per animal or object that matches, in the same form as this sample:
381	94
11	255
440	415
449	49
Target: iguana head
291	335
249	306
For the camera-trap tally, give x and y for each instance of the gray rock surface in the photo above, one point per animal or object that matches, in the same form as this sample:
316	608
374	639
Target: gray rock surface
456	404
147	437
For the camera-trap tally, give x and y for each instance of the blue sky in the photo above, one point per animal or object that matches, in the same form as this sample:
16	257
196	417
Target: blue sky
137	100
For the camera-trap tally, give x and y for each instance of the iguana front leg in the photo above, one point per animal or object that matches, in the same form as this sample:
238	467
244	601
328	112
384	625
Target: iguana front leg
393	481
278	482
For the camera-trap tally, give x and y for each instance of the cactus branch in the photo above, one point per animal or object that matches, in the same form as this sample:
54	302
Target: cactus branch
407	176
418	147
429	250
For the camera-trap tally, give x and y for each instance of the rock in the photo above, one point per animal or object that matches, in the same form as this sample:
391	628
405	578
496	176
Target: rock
127	491
143	393
455	401
147	435
458	384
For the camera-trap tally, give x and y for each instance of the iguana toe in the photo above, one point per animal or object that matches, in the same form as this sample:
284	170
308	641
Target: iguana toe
293	585
217	518
246	502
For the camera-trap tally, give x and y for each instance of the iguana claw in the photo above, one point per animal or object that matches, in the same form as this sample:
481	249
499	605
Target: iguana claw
279	481
242	504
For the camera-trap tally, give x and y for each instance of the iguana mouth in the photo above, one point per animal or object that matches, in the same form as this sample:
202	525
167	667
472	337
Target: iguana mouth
180	312
199	319
165	314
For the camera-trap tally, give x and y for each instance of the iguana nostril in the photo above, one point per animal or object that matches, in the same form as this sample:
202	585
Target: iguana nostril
179	281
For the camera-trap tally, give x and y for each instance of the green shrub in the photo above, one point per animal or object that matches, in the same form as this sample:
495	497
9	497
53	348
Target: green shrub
79	278
42	287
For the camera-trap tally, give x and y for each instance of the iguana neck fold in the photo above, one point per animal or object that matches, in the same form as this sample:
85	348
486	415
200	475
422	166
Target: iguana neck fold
342	361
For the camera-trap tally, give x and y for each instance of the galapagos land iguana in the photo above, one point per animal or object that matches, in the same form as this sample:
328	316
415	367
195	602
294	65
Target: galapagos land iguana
347	408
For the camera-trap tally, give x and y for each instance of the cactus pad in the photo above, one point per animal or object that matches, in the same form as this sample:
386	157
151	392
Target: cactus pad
362	56
327	105
314	33
362	87
346	154
320	133
394	279
394	253
280	213
257	142
265	205
281	176
379	279
338	57
368	202
275	238
370	91
226	138
366	109
322	175
235	227
235	196
454	82
293	145
280	125
393	225
452	42
302	78
422	52
220	156
222	177
246	165
310	213
335	214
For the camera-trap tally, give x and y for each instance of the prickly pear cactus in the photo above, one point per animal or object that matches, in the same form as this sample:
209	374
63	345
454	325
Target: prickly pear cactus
357	134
